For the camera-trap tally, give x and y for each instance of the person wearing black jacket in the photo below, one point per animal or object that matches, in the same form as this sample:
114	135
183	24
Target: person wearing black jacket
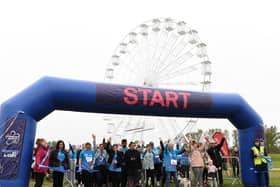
163	177
123	149
235	161
132	163
115	163
59	162
215	155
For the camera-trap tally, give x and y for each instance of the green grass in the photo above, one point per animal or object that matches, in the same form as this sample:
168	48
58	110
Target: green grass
275	160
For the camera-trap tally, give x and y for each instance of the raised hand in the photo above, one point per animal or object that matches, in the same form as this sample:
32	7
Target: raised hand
93	136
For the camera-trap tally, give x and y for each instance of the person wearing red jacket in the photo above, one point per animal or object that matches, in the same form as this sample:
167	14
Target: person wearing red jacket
41	158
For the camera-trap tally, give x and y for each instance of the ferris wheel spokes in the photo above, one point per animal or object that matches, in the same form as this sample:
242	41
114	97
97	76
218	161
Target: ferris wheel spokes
158	53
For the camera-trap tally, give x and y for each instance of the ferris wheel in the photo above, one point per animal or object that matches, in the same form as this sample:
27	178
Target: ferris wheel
160	53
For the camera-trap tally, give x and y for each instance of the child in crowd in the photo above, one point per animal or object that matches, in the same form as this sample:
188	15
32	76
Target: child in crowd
184	163
212	173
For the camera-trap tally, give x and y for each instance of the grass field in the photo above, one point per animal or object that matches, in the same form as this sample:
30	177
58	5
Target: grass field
274	175
276	160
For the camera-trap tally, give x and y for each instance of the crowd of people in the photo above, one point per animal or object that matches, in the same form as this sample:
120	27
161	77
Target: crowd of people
125	164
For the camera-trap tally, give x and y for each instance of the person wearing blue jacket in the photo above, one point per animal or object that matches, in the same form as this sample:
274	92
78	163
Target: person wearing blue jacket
184	163
101	158
158	162
86	165
115	163
170	163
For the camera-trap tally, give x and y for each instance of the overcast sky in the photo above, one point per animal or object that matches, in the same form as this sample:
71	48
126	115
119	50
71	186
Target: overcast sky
74	39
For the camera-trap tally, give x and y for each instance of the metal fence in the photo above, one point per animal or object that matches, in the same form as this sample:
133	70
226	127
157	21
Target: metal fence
231	169
69	177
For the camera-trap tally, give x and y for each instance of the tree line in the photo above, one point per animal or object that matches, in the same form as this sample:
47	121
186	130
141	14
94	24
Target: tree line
272	137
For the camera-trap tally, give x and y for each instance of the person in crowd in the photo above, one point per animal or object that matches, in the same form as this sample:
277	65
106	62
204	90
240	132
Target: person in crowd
101	158
149	165
123	149
184	163
215	155
41	159
212	173
235	161
225	161
170	160
132	164
72	152
115	163
33	164
59	162
163	177
205	158
260	163
78	175
86	165
37	142
157	162
140	147
197	163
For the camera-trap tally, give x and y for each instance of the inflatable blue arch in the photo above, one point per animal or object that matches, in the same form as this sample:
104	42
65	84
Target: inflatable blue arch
20	114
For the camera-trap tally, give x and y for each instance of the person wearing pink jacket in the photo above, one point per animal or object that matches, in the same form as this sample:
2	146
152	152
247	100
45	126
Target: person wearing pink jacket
41	159
197	163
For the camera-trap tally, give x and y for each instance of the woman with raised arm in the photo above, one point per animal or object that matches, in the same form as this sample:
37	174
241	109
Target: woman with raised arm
101	158
197	164
206	159
215	155
115	163
170	163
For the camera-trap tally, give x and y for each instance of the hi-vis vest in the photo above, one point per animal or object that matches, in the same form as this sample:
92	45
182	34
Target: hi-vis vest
259	160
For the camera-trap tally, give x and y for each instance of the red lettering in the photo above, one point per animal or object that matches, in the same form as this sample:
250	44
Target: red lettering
157	98
145	95
171	97
131	97
185	99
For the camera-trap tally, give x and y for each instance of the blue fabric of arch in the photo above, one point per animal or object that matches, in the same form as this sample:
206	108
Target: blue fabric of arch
49	94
